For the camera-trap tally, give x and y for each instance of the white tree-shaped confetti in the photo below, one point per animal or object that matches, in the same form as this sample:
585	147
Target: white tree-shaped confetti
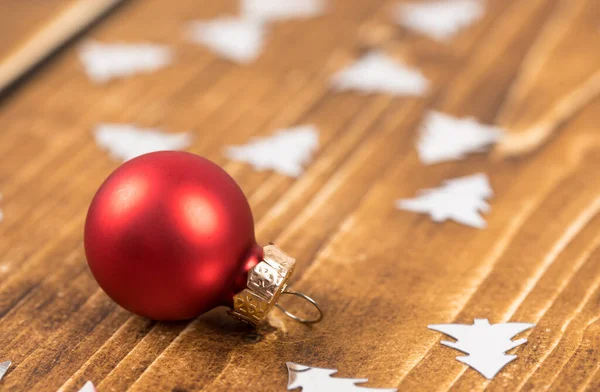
286	152
439	20
125	141
4	368
270	10
88	387
377	72
486	344
446	138
104	62
313	379
236	39
459	199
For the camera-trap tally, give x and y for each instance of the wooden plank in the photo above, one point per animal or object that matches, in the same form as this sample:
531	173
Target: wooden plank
382	275
34	13
32	32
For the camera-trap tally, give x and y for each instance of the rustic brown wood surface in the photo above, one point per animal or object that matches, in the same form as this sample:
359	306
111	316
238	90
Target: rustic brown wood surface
381	274
21	19
35	30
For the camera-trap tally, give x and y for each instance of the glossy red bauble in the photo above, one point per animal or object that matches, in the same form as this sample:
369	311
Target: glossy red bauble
170	235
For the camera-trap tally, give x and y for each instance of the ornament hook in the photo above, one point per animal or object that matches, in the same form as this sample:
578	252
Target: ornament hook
297	318
266	282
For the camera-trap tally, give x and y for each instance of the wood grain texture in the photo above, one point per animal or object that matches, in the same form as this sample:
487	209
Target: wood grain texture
34	32
382	275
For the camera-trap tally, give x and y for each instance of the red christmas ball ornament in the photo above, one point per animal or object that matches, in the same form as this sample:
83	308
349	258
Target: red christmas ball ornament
170	235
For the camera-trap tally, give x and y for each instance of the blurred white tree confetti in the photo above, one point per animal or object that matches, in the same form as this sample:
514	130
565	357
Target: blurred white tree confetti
104	62
88	387
4	368
459	199
486	344
313	379
377	72
272	10
439	20
286	152
236	39
445	138
126	141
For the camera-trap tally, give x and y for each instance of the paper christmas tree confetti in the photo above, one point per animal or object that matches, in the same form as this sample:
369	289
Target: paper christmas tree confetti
104	62
88	387
439	20
460	199
486	344
270	10
312	379
4	368
377	72
446	138
286	152
236	39
125	141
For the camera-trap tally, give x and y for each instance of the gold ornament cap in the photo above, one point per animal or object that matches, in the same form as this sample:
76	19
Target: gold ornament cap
267	281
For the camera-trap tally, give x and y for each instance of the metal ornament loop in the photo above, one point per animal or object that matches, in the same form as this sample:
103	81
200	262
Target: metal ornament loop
300	319
266	282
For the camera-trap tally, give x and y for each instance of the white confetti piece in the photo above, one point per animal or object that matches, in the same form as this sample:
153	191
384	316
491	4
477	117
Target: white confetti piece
376	72
104	62
88	387
486	344
271	10
460	199
125	141
286	152
439	20
446	138
4	368
236	39
313	379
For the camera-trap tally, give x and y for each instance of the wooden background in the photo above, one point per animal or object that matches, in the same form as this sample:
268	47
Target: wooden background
381	274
